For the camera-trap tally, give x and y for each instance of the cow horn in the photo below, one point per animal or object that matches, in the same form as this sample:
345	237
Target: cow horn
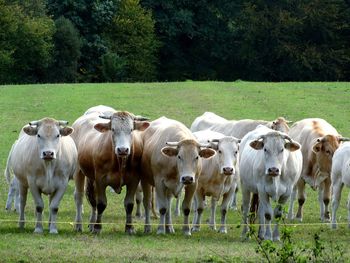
34	123
286	137
204	145
215	140
105	117
140	118
63	123
343	139
172	143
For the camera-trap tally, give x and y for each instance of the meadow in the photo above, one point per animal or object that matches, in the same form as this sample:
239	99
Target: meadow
183	101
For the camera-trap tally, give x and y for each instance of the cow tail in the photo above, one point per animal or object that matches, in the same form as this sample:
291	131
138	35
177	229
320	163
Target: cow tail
7	172
254	205
90	192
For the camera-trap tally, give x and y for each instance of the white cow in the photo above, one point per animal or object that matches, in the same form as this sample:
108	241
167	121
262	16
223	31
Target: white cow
218	178
270	165
43	159
340	176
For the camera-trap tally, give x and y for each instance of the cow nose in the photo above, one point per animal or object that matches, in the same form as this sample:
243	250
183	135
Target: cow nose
122	151
227	170
187	179
273	171
48	155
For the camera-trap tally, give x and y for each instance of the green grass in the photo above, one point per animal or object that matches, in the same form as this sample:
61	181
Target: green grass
182	101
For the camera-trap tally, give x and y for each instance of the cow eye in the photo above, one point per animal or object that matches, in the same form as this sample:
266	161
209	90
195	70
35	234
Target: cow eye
282	150
179	157
236	152
38	135
197	158
112	130
328	152
265	150
219	151
58	135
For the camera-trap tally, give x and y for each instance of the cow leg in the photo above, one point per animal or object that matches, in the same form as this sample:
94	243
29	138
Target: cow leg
186	206
101	205
146	188
212	223
348	205
224	207
326	199
162	202
169	228
23	200
320	200
78	198
138	199
91	197
39	203
301	199
337	188
55	200
278	213
245	209
13	190
198	208
177	206
291	203
233	203
129	205
17	201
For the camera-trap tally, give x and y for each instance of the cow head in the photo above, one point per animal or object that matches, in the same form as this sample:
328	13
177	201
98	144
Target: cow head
48	133
227	153
274	145
280	124
122	124
324	148
187	153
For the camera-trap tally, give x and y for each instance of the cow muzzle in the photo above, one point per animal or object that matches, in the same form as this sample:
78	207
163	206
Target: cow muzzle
186	180
227	170
48	155
122	151
273	171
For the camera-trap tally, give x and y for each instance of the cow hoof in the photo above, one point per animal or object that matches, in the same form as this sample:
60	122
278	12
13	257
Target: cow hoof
169	229
195	229
160	232
78	228
276	239
96	230
38	230
130	231
187	233
147	229
222	231
53	231
334	225
212	227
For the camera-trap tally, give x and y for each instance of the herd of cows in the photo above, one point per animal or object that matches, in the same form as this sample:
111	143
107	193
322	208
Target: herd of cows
267	160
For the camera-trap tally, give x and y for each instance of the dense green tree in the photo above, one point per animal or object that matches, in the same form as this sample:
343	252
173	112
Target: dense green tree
66	52
26	44
131	35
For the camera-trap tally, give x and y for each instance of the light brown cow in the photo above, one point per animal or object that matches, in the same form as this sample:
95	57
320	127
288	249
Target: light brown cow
170	160
235	128
319	141
219	177
108	153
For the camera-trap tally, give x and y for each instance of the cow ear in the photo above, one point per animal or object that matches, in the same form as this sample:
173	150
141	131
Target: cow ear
64	131
169	151
257	144
292	146
206	153
141	125
317	147
30	130
103	127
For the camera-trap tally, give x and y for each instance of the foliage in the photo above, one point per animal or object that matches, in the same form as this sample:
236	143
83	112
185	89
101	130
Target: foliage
131	35
26	44
66	52
113	67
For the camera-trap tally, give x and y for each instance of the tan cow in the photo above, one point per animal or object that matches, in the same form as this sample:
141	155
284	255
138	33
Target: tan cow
170	160
235	128
109	152
43	159
319	141
219	177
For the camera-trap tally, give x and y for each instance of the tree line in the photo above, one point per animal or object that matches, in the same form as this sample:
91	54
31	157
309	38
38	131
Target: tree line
173	40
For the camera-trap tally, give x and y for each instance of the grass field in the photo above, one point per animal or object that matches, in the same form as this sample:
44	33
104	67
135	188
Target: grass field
182	101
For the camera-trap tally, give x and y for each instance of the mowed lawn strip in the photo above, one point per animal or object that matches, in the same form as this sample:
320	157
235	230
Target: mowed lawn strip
183	101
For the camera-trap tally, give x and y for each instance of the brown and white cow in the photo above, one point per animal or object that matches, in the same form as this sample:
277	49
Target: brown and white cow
319	141
43	159
171	159
219	177
109	152
235	128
